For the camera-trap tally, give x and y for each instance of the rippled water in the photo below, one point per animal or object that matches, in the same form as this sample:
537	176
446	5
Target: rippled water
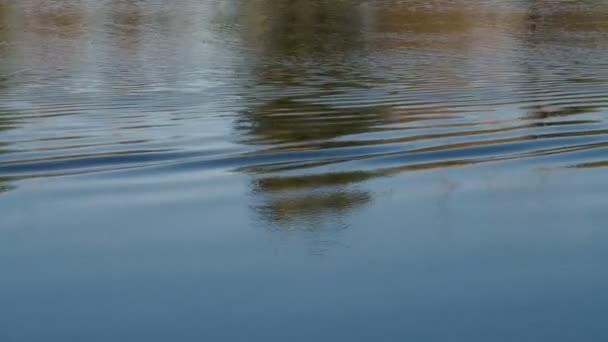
303	170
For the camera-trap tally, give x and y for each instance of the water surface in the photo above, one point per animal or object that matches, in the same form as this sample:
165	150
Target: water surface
303	170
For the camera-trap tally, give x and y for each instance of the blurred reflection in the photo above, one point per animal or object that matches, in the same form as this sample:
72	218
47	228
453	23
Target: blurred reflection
4	22
55	18
127	20
300	120
4	44
539	112
302	27
320	95
598	164
313	211
305	36
317	64
554	27
314	69
326	73
428	24
7	119
3	187
7	122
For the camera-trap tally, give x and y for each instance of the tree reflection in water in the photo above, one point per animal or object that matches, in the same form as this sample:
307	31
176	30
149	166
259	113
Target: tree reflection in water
284	111
314	66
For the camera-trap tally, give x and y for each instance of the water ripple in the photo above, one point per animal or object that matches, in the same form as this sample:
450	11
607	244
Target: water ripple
370	90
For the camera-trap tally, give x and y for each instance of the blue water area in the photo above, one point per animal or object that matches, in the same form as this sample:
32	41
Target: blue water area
303	170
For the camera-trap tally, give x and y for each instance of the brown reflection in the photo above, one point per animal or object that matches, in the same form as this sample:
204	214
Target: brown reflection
304	202
313	74
553	19
302	26
319	65
55	18
307	212
590	165
296	44
545	112
126	15
4	26
7	122
5	185
566	24
320	202
430	24
277	184
4	43
46	34
7	117
561	29
294	120
127	20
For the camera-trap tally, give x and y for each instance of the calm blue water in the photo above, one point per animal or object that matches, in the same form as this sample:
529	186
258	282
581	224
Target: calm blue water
307	170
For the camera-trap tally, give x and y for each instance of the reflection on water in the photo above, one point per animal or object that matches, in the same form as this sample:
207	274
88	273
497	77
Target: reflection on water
398	84
284	107
308	95
303	28
435	142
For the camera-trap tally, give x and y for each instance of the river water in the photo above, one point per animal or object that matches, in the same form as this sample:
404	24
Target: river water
303	170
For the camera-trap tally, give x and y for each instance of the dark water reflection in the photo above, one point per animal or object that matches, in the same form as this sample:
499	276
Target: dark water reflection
303	170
